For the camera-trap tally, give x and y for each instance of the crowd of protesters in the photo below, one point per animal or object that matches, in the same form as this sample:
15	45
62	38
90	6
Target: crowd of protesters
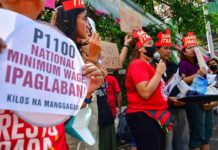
156	122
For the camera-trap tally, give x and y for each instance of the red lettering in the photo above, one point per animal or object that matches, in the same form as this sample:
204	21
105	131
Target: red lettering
42	53
67	73
13	56
46	84
8	73
55	87
72	89
35	50
79	89
63	87
38	83
73	76
28	79
17	73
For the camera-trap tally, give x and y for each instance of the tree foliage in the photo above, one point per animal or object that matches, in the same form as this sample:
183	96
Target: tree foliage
186	15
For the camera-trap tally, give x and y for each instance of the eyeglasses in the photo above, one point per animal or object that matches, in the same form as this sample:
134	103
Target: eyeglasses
84	18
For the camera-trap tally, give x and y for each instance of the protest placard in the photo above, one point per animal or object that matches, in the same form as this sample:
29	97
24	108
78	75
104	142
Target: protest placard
41	70
129	20
110	55
200	58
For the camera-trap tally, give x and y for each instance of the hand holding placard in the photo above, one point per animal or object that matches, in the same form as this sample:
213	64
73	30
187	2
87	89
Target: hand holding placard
96	78
128	39
2	45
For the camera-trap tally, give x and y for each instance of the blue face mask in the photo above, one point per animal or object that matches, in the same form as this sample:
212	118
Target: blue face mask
150	51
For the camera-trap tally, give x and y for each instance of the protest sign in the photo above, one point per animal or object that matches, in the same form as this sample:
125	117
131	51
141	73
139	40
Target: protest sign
41	71
129	20
200	58
110	55
172	83
50	4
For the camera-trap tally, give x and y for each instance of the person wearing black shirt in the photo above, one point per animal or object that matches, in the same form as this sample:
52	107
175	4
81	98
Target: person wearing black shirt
178	140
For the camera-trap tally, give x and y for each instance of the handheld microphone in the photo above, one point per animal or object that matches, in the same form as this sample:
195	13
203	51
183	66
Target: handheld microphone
156	59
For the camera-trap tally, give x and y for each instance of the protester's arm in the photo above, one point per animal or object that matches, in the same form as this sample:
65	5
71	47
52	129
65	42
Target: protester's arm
189	79
124	51
147	88
91	69
2	45
96	79
119	101
118	95
210	106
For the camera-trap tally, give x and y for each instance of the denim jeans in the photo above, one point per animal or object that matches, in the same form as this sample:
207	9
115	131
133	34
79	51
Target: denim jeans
201	124
179	137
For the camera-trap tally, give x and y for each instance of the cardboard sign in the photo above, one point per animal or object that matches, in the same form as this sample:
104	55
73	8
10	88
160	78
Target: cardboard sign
41	71
129	20
110	55
50	4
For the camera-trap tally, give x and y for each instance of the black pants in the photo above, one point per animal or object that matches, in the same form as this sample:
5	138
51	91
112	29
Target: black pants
146	131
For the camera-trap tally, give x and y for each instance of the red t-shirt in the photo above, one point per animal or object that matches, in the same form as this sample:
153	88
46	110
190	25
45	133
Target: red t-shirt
112	89
17	134
139	71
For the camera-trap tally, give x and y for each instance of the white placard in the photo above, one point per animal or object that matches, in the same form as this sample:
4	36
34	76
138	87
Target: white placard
172	83
40	69
200	58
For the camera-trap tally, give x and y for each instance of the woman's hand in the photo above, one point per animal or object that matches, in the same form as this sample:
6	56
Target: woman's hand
210	105
104	71
96	78
161	68
128	39
175	102
201	72
2	45
94	48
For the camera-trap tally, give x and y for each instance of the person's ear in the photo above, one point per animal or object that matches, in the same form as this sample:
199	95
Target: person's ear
184	52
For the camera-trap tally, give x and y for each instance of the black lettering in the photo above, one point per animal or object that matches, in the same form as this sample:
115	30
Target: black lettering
38	34
72	51
64	48
48	40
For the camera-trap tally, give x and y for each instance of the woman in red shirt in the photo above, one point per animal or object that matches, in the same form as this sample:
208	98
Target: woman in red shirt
147	106
15	133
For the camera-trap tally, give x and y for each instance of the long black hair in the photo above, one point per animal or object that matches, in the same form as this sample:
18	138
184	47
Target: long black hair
66	21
